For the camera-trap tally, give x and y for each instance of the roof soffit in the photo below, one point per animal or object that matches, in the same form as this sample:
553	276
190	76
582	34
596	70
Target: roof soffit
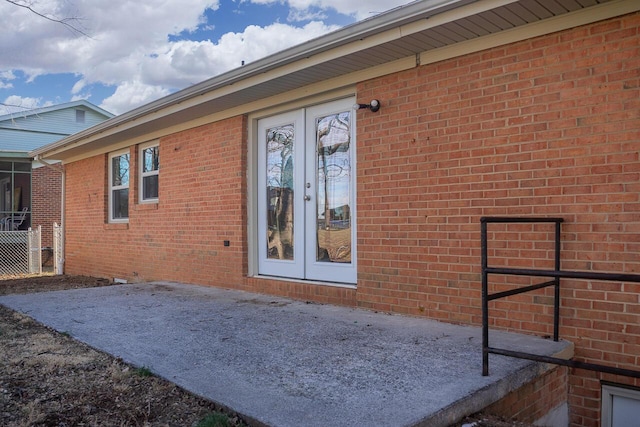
358	47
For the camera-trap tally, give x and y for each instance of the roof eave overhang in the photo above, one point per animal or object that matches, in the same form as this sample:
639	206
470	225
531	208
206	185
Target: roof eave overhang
251	73
200	99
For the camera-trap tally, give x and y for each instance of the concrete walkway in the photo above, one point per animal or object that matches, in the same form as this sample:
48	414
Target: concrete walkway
280	362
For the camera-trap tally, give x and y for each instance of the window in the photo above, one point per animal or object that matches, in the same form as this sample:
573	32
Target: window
620	406
79	116
149	170
15	195
119	186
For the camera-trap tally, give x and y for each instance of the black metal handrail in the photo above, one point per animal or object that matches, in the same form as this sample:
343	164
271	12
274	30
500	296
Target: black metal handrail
556	275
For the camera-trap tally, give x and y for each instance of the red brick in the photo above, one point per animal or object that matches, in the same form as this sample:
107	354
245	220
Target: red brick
543	127
46	190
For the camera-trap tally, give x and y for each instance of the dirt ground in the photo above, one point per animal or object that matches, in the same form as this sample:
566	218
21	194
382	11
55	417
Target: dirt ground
49	379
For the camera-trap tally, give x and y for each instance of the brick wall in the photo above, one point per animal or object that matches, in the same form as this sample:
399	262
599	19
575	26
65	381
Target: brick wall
534	400
46	185
201	204
544	127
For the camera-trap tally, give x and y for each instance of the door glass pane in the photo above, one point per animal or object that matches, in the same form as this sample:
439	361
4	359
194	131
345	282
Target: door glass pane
333	209
280	192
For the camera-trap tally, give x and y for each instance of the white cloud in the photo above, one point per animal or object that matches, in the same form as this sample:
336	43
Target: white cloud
17	104
132	94
77	91
357	8
5	79
80	84
130	49
82	96
187	62
24	103
118	28
296	15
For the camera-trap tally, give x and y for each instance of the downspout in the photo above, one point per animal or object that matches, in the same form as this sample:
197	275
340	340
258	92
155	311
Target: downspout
59	266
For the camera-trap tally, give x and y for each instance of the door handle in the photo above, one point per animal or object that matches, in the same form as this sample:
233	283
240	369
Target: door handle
307	198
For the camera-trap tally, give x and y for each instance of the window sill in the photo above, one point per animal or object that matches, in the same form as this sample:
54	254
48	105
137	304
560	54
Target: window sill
116	226
152	206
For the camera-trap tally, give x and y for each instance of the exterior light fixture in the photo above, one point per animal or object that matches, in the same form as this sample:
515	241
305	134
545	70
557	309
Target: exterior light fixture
374	105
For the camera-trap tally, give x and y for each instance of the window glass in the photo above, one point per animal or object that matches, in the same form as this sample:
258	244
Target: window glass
22	167
6	194
120	174
151	161
150	187
21	191
121	203
150	166
119	186
15	195
280	220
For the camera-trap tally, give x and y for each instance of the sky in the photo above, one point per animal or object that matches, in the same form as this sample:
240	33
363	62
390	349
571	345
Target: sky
121	54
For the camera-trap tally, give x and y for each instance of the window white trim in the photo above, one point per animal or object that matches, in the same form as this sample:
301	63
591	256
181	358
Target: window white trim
80	116
142	174
615	415
118	187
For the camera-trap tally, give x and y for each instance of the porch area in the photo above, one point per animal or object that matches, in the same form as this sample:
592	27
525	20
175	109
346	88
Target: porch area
280	362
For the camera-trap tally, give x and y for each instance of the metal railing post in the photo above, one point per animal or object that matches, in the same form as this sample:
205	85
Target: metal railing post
485	300
556	287
556	274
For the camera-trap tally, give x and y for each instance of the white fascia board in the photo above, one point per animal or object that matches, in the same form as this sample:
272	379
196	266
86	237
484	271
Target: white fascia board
342	43
578	18
335	88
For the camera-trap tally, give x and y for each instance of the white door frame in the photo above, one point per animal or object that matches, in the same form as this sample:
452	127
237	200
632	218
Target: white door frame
328	271
293	268
303	265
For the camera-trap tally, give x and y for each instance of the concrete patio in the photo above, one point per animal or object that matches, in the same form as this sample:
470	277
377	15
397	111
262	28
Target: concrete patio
280	362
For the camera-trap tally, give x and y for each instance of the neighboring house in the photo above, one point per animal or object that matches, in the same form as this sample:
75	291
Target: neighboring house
30	192
268	179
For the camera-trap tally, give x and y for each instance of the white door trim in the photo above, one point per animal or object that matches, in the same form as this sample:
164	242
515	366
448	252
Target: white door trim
303	265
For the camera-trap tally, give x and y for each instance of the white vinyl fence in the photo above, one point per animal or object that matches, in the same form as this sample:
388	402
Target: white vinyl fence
20	252
58	249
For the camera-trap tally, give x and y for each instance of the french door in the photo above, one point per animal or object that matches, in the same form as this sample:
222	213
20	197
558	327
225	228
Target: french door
306	194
